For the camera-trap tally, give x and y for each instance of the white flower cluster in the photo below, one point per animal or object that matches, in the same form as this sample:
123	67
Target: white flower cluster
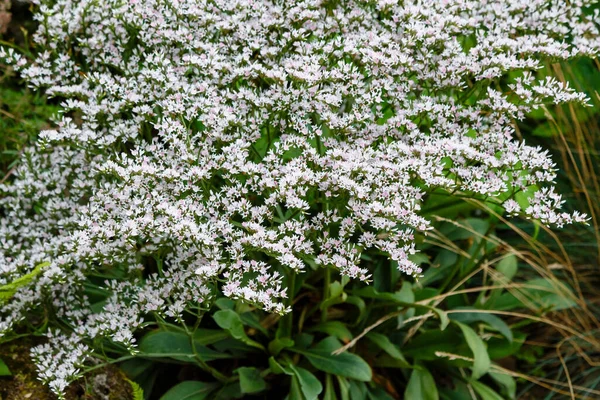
228	139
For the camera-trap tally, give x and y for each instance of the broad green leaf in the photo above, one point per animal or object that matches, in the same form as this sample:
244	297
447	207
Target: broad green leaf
333	328
190	390
378	393
251	319
360	304
303	340
490	319
457	391
508	266
440	267
442	315
228	392
523	197
4	370
425	345
275	367
384	360
209	336
537	293
141	370
507	382
344	387
346	364
231	322
384	343
399	298
175	345
485	391
309	384
421	385
329	389
386	276
501	348
482	363
406	293
336	296
232	346
276	345
225	303
295	391
358	390
250	380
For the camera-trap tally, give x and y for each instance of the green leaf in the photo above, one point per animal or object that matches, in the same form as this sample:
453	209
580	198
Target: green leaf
141	370
425	345
378	393
384	343
309	384
275	367
507	382
276	345
209	336
485	391
295	391
540	293
358	390
176	345
231	322
190	390
346	364
250	380
225	303
8	290
482	363
251	319
400	299
508	266
406	293
458	390
502	348
522	198
490	319
4	370
421	385
138	393
329	388
333	328
228	392
359	303
344	387
336	296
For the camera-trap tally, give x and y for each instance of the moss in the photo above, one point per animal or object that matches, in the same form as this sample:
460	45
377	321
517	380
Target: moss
107	383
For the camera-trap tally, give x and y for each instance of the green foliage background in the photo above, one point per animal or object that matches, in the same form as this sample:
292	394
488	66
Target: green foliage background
506	309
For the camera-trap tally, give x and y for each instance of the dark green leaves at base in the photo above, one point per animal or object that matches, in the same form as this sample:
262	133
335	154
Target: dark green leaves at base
481	363
232	323
421	385
346	364
250	380
190	390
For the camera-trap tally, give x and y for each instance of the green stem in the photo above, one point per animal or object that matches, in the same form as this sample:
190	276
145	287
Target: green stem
287	320
214	372
326	284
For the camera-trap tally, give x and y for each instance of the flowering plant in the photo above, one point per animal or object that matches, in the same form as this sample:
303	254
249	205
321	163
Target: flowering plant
218	148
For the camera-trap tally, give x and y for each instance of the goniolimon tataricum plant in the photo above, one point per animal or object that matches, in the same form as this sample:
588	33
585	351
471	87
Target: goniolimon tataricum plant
252	190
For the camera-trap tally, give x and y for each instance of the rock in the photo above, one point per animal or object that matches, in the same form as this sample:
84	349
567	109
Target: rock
107	383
